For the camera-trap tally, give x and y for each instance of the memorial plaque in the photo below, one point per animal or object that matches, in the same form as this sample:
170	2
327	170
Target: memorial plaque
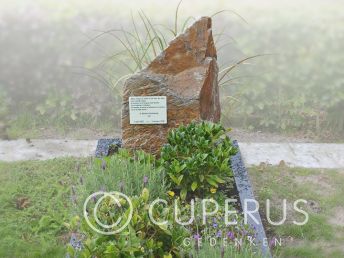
148	110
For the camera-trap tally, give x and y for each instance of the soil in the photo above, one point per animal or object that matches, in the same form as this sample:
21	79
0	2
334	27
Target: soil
321	180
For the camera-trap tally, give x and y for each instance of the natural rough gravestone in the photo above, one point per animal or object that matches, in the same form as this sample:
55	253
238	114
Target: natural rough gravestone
186	73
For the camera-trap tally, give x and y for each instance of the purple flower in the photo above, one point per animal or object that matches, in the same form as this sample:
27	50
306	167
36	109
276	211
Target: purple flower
272	242
230	235
219	233
196	236
215	225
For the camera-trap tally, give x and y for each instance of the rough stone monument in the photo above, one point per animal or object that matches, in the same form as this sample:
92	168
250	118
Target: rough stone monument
178	87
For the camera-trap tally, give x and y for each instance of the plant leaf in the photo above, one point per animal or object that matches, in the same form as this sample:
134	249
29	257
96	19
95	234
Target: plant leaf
194	186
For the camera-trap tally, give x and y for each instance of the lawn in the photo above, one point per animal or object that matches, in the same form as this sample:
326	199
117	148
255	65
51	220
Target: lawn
37	202
323	235
39	198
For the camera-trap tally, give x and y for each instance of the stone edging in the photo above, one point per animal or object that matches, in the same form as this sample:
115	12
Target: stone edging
244	189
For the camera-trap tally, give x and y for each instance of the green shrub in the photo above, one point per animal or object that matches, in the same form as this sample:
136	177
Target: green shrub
141	238
196	158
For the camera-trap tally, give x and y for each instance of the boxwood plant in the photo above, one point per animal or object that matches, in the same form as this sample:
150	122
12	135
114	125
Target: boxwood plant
196	159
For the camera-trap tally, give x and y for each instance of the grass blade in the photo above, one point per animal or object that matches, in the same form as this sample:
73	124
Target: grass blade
230	68
176	18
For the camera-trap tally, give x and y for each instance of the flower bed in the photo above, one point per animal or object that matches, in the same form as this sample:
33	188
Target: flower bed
191	218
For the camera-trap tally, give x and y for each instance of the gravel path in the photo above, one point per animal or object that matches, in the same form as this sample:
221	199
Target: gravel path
309	155
45	149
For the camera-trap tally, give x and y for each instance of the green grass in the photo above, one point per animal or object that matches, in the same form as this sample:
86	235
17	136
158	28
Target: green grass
35	201
323	189
123	176
40	198
36	229
37	198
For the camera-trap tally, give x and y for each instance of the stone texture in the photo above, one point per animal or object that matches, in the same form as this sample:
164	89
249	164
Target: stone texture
186	72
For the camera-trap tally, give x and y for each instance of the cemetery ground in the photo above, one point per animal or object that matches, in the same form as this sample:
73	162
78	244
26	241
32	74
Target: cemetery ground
31	226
